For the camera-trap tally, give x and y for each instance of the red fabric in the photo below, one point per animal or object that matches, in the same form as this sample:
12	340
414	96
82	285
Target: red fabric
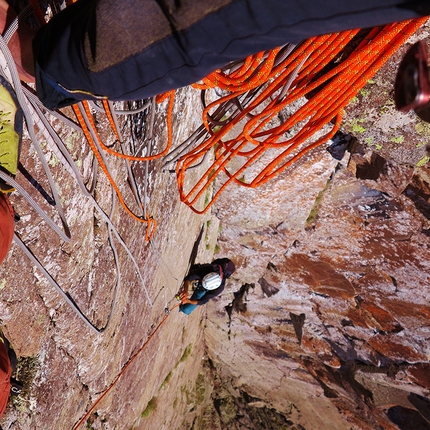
5	374
6	226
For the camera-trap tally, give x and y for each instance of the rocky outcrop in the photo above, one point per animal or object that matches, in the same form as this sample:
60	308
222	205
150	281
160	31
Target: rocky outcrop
328	310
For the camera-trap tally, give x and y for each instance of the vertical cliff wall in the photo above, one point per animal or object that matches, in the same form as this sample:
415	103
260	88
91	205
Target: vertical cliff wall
326	319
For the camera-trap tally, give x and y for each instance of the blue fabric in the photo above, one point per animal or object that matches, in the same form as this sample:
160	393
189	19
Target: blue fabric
199	292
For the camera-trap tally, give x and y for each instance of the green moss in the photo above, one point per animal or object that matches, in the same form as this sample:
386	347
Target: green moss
210	174
69	141
371	82
166	380
41	319
397	139
216	249
365	92
25	372
200	389
315	208
423	161
356	128
356	125
219	127
186	353
53	161
188	395
90	421
150	407
423	129
207	197
369	141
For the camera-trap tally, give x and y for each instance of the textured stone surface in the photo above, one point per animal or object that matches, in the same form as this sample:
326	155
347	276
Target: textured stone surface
71	366
357	274
324	324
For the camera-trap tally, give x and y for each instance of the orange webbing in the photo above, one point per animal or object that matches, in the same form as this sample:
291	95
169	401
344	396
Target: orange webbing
258	136
151	223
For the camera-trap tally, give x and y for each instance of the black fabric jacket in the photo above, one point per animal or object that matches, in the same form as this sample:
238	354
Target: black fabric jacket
133	49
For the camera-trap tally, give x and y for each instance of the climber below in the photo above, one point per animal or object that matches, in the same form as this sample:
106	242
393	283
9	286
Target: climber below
204	282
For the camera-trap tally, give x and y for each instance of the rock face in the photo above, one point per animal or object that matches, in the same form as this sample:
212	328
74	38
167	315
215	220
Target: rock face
326	317
64	365
324	325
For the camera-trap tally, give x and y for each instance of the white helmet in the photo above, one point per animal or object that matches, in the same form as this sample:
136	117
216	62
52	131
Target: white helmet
211	281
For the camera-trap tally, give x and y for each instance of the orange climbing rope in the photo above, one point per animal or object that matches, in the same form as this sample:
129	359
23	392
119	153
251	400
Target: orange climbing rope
254	128
161	98
151	223
249	148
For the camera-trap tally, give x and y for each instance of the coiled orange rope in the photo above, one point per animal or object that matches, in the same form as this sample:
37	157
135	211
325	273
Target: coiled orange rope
273	85
258	136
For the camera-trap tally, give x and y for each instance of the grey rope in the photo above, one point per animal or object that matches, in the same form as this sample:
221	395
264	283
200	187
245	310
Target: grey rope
107	167
35	101
64	295
30	129
36	207
62	153
145	198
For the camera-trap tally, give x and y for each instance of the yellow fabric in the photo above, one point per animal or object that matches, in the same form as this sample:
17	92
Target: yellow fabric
9	139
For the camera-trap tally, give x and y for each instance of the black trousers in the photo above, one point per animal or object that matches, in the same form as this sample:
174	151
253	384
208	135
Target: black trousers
133	49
